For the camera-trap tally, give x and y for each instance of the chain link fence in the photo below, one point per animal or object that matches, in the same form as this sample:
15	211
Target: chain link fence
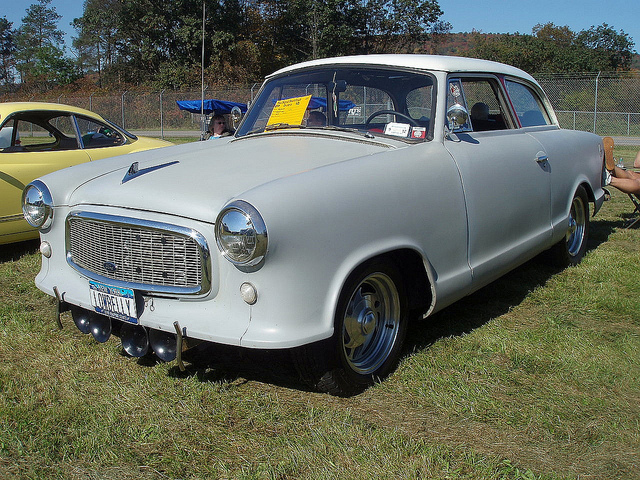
606	104
149	113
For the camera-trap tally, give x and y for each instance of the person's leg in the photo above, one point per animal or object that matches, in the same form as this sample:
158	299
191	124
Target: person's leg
627	184
622	173
636	162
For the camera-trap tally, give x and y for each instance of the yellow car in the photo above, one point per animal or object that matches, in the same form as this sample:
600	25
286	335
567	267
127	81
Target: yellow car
38	138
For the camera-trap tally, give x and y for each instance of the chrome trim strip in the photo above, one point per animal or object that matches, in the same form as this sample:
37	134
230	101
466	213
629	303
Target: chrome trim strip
134	171
203	249
11	218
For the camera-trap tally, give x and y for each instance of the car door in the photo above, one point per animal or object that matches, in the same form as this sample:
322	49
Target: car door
100	140
505	176
567	163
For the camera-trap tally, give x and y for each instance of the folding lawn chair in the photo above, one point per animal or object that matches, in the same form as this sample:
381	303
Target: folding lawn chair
635	215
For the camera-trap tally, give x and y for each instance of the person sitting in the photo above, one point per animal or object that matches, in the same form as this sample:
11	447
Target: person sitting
624	180
316	119
218	127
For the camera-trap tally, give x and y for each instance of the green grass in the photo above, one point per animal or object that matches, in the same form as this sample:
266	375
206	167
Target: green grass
178	140
534	377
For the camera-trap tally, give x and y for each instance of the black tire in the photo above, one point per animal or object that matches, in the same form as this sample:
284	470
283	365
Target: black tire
370	327
571	249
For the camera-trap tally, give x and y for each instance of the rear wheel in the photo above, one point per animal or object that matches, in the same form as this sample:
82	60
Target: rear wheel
571	249
370	326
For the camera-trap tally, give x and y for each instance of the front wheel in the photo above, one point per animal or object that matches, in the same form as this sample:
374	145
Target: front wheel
571	249
370	326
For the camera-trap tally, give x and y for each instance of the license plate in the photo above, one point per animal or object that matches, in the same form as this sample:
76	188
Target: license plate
114	302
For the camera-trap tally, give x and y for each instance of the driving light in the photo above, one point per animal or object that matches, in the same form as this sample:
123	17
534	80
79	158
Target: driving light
248	293
37	205
45	249
241	234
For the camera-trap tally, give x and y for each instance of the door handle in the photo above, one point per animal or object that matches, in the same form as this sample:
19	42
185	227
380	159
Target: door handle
542	157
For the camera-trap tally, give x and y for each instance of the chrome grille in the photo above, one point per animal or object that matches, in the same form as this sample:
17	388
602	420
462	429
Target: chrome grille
152	256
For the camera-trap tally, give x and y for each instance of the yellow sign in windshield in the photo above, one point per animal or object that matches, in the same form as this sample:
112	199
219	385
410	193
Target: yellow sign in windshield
290	111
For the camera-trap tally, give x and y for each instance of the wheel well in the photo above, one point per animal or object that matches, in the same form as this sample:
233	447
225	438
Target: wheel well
416	282
590	195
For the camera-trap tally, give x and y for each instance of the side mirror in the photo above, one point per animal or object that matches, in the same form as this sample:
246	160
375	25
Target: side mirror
236	116
458	118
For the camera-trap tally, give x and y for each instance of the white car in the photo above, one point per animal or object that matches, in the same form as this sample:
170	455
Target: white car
355	192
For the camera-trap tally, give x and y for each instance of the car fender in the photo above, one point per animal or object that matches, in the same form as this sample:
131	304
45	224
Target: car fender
317	238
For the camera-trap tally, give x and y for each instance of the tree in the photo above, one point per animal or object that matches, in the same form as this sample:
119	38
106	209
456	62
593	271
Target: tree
7	50
159	42
98	35
612	50
40	46
400	23
554	49
295	30
562	37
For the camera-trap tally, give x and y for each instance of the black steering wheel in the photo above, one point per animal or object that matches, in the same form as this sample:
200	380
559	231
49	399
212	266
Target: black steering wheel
411	121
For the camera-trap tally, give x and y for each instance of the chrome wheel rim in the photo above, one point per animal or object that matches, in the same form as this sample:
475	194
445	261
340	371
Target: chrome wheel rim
577	222
371	323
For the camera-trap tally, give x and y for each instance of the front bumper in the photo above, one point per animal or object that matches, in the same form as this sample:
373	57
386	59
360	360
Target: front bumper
282	317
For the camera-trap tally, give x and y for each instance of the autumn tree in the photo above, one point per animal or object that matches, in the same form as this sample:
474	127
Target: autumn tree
554	49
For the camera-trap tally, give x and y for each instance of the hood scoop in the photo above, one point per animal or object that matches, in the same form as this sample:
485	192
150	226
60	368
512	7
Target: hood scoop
134	171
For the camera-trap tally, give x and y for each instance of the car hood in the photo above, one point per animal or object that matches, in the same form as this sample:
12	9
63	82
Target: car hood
145	143
198	179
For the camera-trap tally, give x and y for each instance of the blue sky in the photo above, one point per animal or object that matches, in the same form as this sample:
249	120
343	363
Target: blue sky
487	16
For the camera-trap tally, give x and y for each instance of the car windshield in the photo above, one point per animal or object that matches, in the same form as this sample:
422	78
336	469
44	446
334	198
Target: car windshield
369	100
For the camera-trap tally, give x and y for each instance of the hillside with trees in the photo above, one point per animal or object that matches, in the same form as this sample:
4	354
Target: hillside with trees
160	44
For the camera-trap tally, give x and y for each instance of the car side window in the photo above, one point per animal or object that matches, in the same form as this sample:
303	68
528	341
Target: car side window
485	103
34	137
38	132
98	135
529	107
7	141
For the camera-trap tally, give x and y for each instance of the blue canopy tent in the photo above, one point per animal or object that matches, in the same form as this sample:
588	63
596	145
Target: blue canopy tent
210	106
320	102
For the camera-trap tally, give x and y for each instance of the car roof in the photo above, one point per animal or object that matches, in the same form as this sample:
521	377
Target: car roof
441	63
7	108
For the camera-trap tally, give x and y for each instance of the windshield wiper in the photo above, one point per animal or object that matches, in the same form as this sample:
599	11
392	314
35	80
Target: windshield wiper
274	126
278	126
282	126
340	129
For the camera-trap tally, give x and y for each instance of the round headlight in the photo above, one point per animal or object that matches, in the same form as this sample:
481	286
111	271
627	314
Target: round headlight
241	234
37	205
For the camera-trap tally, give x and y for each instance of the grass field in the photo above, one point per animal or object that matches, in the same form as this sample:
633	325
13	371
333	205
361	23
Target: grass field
536	376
